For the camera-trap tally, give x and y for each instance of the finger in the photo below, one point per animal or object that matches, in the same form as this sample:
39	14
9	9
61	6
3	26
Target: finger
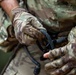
73	72
46	55
32	32
63	71
28	40
37	24
57	63
56	53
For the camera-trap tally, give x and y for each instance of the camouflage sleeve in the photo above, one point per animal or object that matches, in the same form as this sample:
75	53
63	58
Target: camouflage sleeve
72	35
7	38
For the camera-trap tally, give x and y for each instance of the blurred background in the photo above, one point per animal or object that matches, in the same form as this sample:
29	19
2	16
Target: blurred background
4	57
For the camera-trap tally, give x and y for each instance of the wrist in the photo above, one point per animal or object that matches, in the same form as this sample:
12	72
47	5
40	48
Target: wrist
8	6
16	12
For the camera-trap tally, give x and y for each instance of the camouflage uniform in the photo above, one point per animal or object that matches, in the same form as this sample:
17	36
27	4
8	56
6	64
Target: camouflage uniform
55	16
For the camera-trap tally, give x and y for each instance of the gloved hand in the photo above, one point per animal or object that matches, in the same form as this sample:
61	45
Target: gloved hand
63	60
26	27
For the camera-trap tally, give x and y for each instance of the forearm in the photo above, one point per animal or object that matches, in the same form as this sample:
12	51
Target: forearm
8	6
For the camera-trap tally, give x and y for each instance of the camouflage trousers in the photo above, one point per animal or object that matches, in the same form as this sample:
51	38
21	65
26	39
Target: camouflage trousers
22	65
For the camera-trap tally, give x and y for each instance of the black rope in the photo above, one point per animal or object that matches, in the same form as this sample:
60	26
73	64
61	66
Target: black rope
38	65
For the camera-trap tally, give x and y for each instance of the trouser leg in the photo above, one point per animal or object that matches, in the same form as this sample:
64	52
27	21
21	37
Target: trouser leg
22	65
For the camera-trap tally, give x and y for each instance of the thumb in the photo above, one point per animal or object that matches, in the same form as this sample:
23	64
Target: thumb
46	55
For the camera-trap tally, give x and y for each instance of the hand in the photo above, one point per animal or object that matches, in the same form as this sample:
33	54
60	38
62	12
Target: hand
26	27
63	60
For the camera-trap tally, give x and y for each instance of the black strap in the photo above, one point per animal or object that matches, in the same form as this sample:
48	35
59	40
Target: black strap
38	65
